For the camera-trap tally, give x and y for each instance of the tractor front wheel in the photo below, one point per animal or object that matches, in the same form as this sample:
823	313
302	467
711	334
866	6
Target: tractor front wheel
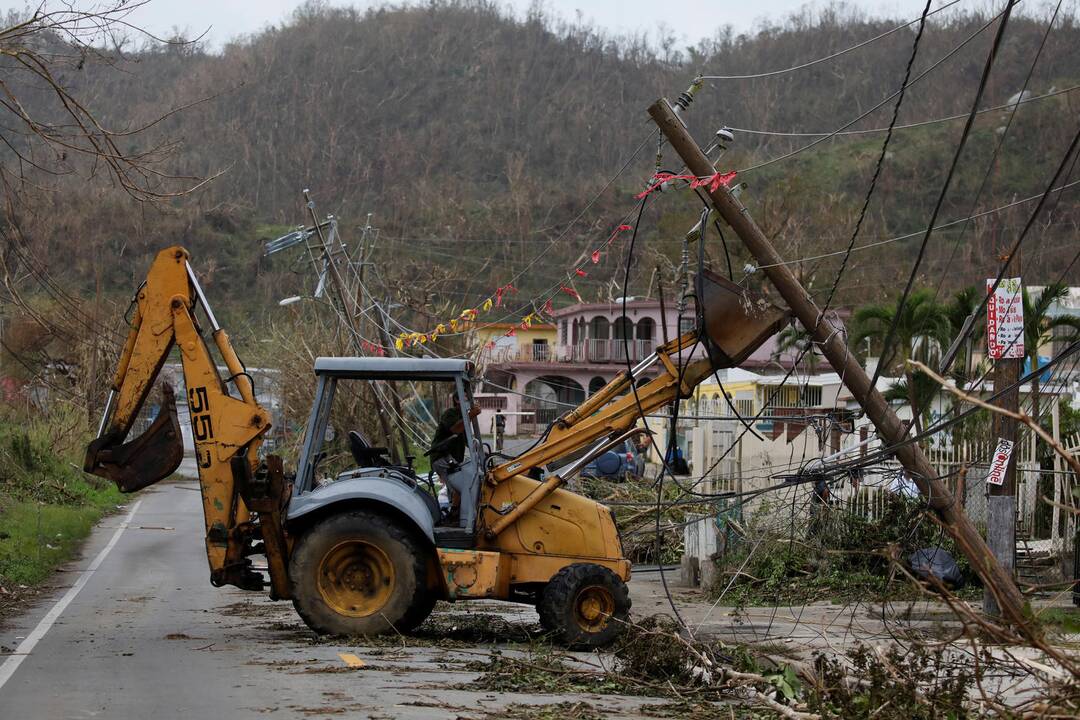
359	573
584	606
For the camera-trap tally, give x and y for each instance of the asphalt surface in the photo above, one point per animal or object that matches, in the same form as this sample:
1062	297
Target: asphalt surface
134	629
147	636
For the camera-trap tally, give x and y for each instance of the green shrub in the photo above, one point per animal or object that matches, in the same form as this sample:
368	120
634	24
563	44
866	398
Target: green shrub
47	504
837	555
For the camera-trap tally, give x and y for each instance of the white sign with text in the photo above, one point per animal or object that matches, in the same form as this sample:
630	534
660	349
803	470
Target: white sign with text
999	462
1005	319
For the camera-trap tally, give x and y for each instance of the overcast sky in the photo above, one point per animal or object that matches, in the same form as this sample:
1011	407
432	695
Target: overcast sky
689	19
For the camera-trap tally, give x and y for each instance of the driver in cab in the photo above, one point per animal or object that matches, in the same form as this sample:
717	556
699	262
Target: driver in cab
447	449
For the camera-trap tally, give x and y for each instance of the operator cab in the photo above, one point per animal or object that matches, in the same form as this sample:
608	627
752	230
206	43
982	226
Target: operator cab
337	465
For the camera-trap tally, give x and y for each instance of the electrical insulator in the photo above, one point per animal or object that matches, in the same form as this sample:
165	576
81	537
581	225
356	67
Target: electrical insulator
686	98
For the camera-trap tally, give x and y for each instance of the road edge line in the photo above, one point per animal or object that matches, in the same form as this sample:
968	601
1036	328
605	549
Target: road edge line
30	641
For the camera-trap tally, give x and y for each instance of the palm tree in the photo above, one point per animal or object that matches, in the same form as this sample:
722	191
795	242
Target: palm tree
964	302
794	341
922	329
924	392
1041	327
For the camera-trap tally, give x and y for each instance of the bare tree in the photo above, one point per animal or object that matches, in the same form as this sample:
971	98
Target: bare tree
48	130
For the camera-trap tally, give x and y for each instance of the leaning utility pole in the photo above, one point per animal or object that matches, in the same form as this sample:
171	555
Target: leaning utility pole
1001	499
350	308
956	523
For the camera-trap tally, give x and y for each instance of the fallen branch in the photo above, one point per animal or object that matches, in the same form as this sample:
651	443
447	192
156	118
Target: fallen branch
1018	416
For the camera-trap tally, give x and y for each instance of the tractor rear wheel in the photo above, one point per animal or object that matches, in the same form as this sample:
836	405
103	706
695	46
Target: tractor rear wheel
359	573
584	606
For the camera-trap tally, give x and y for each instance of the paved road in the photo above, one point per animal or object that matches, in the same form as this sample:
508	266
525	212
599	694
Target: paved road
134	630
148	637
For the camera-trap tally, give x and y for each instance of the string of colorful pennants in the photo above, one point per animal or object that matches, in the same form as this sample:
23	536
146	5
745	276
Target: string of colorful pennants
495	300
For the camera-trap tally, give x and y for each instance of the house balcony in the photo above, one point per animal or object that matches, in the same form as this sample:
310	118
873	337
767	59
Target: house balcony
535	353
585	351
606	351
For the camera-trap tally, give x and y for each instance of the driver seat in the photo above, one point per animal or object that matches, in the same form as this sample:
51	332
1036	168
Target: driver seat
366	455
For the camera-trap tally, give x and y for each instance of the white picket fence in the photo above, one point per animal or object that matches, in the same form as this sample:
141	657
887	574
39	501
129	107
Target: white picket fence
962	467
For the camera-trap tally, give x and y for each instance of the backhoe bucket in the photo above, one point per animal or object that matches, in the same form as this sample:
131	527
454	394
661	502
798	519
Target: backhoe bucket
734	321
152	456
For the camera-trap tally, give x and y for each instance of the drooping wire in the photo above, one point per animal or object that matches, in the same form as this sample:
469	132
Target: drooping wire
876	107
877	169
987	67
833	56
991	165
908	126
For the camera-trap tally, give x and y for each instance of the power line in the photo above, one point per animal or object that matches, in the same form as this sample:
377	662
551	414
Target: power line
803	66
908	126
989	64
991	165
875	108
910	235
877	169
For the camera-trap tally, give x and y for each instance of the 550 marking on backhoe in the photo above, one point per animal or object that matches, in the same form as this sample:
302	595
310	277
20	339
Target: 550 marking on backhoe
202	427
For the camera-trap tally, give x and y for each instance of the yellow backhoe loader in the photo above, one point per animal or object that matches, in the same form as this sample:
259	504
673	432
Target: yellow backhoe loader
367	550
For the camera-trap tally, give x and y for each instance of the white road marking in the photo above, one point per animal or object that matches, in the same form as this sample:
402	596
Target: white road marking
26	646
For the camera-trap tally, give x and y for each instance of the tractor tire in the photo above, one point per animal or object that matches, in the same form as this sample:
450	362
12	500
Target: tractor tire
418	612
359	573
584	606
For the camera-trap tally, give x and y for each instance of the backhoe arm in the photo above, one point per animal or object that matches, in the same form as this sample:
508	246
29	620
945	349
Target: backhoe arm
224	428
607	413
733	322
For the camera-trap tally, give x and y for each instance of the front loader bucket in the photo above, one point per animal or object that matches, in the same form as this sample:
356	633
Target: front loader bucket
152	456
734	321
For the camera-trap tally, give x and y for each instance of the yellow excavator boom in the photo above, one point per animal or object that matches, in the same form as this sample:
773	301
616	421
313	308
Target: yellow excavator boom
223	427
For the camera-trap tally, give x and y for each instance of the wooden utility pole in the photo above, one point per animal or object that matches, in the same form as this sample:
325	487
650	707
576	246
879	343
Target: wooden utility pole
854	377
386	342
1001	500
350	308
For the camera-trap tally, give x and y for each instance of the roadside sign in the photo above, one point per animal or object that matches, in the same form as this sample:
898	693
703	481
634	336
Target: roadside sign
1005	319
999	462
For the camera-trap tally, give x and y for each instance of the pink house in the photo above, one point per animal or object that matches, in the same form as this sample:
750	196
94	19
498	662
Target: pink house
593	342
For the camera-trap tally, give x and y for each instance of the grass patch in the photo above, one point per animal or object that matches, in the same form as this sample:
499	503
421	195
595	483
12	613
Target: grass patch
47	505
1065	619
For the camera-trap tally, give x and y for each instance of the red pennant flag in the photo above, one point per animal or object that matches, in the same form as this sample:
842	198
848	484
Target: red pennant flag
580	272
511	332
621	228
713	182
595	256
721	179
570	291
659	179
548	307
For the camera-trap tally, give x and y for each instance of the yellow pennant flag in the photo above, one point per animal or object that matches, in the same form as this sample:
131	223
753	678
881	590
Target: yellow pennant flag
487	304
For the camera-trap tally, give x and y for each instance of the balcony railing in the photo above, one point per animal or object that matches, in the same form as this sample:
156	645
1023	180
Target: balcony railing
606	351
535	352
586	351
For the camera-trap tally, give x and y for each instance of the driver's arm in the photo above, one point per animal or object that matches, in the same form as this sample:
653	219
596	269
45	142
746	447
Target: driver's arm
459	427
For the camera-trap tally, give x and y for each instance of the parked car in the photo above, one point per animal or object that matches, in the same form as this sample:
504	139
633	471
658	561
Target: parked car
617	464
